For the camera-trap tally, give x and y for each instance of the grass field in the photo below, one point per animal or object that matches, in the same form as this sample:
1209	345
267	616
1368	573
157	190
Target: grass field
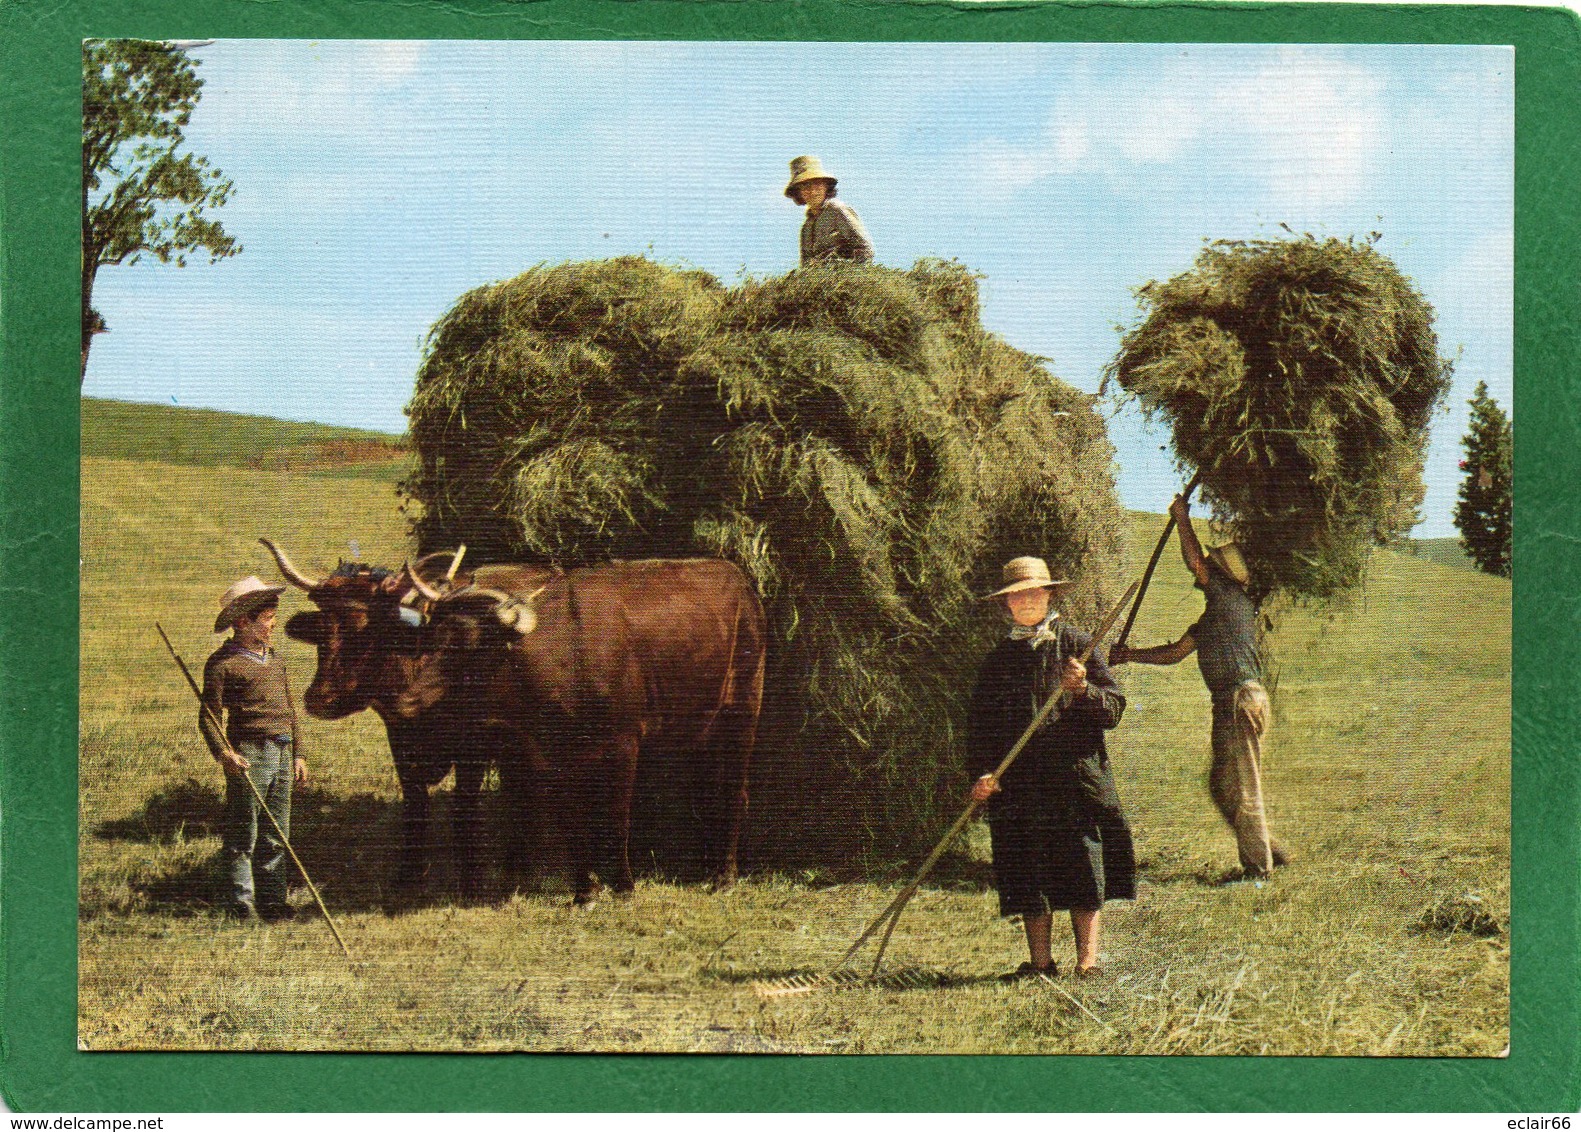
1444	551
1388	773
206	438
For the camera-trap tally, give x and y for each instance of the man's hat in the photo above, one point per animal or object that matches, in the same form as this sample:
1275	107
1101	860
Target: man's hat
1025	574
805	169
246	596
1229	559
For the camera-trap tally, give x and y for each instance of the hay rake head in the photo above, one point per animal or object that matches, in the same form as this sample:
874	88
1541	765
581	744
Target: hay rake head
906	978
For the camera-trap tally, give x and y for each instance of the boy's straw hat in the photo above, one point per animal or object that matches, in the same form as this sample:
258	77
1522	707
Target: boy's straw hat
1025	573
244	597
1229	559
805	169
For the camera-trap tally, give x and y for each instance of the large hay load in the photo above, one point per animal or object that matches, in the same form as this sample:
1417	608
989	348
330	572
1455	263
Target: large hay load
849	435
1298	377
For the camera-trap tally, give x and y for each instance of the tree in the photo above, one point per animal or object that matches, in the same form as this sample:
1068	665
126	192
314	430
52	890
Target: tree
140	196
1483	513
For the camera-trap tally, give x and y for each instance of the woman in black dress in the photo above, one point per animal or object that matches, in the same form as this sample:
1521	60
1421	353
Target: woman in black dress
1060	839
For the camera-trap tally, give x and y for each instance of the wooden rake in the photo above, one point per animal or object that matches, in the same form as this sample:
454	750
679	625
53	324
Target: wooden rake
839	976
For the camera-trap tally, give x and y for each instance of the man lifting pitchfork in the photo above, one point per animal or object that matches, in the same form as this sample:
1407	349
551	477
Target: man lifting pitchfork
1225	641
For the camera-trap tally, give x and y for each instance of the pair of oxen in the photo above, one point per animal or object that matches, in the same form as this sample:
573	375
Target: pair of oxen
562	678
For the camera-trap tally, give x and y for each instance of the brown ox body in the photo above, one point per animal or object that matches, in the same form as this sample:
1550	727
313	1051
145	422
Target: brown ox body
660	661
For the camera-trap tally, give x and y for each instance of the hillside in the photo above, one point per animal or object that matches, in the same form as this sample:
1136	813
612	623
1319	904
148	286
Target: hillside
1443	551
208	438
170	434
1388	773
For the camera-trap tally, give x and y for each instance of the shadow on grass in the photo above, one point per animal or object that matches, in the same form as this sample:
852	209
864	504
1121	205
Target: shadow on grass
352	848
349	845
1171	866
187	810
954	872
1210	876
959	871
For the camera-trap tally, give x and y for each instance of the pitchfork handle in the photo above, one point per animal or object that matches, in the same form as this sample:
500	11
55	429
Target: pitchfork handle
1152	564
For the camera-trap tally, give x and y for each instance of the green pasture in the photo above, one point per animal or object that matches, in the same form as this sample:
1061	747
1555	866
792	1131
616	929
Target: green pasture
1444	551
208	438
1388	773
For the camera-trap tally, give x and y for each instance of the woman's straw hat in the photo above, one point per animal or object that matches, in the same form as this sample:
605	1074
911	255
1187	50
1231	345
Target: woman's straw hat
806	169
1026	573
1229	559
243	598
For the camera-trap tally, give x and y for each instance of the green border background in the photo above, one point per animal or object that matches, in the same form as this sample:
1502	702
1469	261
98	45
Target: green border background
40	192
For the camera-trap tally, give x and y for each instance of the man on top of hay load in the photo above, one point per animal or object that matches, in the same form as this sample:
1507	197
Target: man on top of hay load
261	740
832	230
1060	839
1225	641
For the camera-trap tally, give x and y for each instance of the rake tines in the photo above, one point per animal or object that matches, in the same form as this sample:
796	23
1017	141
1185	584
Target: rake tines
791	985
910	978
907	978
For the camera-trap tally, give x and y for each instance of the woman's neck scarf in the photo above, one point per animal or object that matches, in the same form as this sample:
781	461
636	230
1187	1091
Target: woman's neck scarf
1041	633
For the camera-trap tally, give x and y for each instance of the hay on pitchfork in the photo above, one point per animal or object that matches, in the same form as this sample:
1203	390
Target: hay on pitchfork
1299	376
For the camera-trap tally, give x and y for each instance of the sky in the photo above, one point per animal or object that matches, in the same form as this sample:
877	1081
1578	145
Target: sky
376	182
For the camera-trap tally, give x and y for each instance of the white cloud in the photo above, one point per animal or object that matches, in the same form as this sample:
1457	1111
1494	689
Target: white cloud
1305	130
1003	169
1157	127
1319	122
296	88
392	61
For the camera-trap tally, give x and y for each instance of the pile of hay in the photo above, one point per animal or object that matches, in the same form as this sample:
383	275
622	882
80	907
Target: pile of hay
1468	912
1299	377
849	435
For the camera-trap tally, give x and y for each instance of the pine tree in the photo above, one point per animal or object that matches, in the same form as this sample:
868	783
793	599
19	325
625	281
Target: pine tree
1483	513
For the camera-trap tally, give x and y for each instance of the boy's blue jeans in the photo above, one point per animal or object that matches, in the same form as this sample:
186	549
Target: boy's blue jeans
256	866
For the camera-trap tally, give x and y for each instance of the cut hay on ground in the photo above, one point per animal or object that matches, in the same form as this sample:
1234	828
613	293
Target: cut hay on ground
1299	376
849	435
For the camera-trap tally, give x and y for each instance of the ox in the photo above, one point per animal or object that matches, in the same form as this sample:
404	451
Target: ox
658	660
368	654
570	677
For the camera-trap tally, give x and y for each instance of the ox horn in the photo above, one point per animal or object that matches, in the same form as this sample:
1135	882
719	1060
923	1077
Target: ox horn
513	612
417	583
292	574
498	596
518	613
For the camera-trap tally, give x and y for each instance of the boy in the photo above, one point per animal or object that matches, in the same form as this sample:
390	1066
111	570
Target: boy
261	741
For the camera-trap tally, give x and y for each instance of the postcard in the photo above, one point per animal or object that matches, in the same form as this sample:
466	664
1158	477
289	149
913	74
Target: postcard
792	544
